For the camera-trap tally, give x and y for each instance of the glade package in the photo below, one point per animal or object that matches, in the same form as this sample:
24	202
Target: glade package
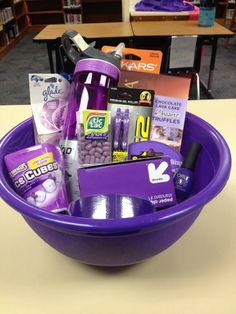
168	117
131	111
49	99
94	138
37	173
150	179
139	60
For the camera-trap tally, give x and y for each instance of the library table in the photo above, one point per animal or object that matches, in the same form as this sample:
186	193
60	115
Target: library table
195	275
94	31
206	36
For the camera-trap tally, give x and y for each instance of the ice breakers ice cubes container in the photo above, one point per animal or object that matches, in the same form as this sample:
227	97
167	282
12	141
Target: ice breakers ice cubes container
37	174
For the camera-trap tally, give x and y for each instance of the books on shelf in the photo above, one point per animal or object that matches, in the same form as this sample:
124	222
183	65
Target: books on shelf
72	18
71	4
229	13
11	32
6	15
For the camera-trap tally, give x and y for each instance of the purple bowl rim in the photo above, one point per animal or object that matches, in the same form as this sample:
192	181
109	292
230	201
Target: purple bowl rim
98	226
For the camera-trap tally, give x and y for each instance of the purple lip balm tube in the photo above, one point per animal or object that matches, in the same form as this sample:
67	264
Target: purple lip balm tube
37	174
183	179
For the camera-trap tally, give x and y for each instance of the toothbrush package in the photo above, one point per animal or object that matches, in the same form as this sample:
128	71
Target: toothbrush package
49	99
131	111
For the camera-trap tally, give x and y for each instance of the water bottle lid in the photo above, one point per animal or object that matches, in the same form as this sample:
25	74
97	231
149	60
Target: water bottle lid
98	66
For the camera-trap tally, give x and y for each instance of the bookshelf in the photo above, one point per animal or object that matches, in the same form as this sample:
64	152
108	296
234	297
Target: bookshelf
13	24
101	11
17	16
41	13
229	18
72	12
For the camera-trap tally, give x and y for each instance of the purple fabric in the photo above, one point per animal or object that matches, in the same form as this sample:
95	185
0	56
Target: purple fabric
164	5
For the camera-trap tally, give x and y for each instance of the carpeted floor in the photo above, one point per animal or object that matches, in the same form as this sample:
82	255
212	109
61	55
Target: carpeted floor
28	57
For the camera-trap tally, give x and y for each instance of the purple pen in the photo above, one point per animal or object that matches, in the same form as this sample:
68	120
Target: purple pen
125	130
117	128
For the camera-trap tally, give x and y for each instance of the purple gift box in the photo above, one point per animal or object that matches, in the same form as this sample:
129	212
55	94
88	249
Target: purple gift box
150	179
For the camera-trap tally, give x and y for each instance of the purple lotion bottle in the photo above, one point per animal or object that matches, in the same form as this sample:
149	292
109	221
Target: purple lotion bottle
183	179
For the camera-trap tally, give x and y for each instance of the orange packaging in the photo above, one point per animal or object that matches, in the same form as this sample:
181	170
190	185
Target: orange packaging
139	60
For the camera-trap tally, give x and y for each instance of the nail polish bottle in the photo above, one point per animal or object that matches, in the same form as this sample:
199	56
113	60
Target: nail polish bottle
183	179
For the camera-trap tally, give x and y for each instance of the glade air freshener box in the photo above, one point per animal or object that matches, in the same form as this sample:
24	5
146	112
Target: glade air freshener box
150	179
49	100
131	111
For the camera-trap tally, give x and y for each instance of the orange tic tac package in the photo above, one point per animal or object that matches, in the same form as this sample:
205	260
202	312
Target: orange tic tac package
139	60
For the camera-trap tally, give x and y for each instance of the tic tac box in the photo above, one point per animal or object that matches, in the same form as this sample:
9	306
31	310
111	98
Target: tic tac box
150	179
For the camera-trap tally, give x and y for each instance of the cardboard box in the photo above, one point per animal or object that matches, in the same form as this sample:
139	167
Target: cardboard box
139	60
164	85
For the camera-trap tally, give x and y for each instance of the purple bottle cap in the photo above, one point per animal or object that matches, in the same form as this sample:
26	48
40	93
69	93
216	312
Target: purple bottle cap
98	66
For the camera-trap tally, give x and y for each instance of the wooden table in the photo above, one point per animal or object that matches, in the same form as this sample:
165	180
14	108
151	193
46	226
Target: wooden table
206	36
196	275
92	31
178	28
135	32
89	30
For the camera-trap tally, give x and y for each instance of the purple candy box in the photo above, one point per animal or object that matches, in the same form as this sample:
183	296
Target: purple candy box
37	173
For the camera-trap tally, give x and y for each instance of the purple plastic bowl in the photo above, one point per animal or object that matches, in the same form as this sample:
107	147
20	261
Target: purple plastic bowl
117	242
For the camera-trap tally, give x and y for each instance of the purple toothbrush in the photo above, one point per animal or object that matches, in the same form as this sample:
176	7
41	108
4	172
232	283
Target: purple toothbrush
125	130
117	128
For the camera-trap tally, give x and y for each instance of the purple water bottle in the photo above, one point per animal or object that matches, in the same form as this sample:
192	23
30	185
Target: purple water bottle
92	78
94	73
